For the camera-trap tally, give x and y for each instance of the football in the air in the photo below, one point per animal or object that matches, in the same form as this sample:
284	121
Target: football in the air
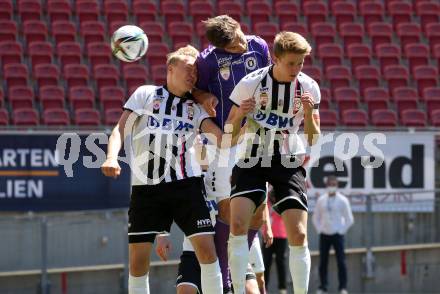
129	43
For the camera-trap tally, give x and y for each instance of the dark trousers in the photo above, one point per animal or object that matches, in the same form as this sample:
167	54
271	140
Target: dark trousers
325	243
279	249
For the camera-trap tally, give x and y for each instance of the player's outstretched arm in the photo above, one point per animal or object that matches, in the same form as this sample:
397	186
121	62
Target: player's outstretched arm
312	128
234	122
110	167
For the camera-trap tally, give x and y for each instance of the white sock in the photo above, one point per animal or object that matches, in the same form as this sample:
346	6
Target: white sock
138	285
238	251
211	277
299	263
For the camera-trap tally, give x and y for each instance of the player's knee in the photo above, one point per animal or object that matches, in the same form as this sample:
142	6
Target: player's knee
206	252
186	289
239	226
299	235
138	263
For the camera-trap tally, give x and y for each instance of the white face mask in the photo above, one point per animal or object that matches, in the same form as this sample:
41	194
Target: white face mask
331	189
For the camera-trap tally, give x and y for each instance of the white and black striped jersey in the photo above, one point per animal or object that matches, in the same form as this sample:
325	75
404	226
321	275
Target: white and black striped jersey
272	128
162	135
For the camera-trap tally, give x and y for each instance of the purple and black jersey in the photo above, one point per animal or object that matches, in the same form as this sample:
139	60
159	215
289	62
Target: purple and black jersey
219	71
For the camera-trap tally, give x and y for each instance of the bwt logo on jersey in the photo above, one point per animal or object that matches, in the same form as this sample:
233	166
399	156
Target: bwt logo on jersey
274	119
169	124
203	223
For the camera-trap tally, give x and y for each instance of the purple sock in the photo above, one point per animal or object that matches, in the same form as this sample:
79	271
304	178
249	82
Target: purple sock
221	238
251	235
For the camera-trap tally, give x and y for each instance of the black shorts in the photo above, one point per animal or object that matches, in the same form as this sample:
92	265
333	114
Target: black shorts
153	208
289	184
188	272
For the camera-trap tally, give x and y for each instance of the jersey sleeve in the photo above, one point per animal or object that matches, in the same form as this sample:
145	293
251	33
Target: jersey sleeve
203	73
202	115
240	92
138	99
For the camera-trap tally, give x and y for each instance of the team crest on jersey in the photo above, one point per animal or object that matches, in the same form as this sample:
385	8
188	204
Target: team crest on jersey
156	103
263	99
225	72
251	63
190	110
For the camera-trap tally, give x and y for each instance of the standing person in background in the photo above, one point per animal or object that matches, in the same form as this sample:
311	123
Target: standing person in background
332	218
278	248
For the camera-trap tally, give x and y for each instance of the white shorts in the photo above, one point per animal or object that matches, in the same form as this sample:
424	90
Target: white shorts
218	176
256	257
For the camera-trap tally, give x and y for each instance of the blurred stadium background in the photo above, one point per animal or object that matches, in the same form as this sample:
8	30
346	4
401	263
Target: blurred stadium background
377	63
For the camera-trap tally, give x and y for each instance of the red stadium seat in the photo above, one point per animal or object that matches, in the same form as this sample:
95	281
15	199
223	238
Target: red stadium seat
112	27
314	72
429	12
267	31
296	27
63	31
233	9
87	117
371	12
417	54
388	54
87	10
359	54
396	76
155	31
40	53
21	97
81	97
413	118
10	52
384	118
156	54
46	74
380	33
92	31
435	117
52	97
135	75
431	96
330	54
286	12
355	118
56	117
346	98
69	53
172	11
200	10
323	33
400	12
106	75
25	117
180	32
325	98
368	76
351	33
59	10
258	11
34	31
99	53
339	76
15	75
6	9
2	98
4	117
111	116
405	98
409	33
376	98
433	34
159	74
111	97
315	11
29	10
436	54
115	11
76	75
144	10
200	31
328	118
426	76
8	30
344	12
